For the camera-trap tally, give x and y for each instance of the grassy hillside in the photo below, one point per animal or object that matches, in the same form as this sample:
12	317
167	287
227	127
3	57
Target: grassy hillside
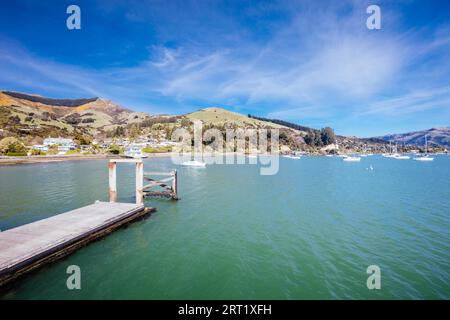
24	114
219	116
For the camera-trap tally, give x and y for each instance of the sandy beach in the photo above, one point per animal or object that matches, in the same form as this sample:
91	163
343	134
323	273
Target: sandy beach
49	159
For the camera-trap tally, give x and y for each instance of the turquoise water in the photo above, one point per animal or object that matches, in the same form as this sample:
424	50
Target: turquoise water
309	231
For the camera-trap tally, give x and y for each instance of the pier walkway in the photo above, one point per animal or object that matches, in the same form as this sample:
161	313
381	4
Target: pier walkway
27	247
30	246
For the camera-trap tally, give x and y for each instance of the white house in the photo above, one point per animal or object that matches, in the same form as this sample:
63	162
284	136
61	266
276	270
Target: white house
59	142
65	148
134	151
40	147
167	143
63	144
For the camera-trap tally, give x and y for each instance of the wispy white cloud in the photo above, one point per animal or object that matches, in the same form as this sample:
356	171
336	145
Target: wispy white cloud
419	100
321	61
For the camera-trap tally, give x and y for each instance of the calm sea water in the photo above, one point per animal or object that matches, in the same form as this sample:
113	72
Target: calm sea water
310	231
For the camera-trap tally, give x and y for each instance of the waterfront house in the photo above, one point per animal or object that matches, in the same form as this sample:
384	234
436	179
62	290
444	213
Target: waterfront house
134	151
64	148
59	142
63	144
167	143
85	147
40	147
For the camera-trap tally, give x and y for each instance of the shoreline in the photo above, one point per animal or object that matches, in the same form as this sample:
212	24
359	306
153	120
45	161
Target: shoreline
9	161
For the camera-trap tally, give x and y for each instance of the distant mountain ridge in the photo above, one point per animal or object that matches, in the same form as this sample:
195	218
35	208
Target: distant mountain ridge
435	137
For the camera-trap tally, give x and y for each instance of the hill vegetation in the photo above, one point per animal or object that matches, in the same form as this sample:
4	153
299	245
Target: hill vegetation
283	123
31	118
48	101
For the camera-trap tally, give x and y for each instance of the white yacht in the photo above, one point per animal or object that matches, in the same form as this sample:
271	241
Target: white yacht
426	157
194	163
290	156
352	159
390	154
134	152
400	157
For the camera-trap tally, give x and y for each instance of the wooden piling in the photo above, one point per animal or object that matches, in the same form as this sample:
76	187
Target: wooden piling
175	185
112	181
139	179
139	183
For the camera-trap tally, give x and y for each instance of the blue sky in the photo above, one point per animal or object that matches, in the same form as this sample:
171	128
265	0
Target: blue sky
311	62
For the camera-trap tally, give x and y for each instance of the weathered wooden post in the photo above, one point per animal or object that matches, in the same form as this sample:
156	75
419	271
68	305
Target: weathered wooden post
174	185
139	182
112	181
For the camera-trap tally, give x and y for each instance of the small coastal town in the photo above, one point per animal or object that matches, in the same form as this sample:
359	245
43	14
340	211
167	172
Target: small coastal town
63	146
35	127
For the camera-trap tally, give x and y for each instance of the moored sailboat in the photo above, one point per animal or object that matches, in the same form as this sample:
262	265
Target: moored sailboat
426	157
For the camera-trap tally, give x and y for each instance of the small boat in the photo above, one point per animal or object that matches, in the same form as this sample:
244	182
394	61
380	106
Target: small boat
134	152
352	159
400	157
194	163
390	154
426	157
292	156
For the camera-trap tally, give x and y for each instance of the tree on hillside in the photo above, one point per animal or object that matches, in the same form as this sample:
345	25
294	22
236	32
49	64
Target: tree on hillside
134	131
114	149
185	122
82	139
327	136
313	138
11	145
118	132
320	138
309	138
